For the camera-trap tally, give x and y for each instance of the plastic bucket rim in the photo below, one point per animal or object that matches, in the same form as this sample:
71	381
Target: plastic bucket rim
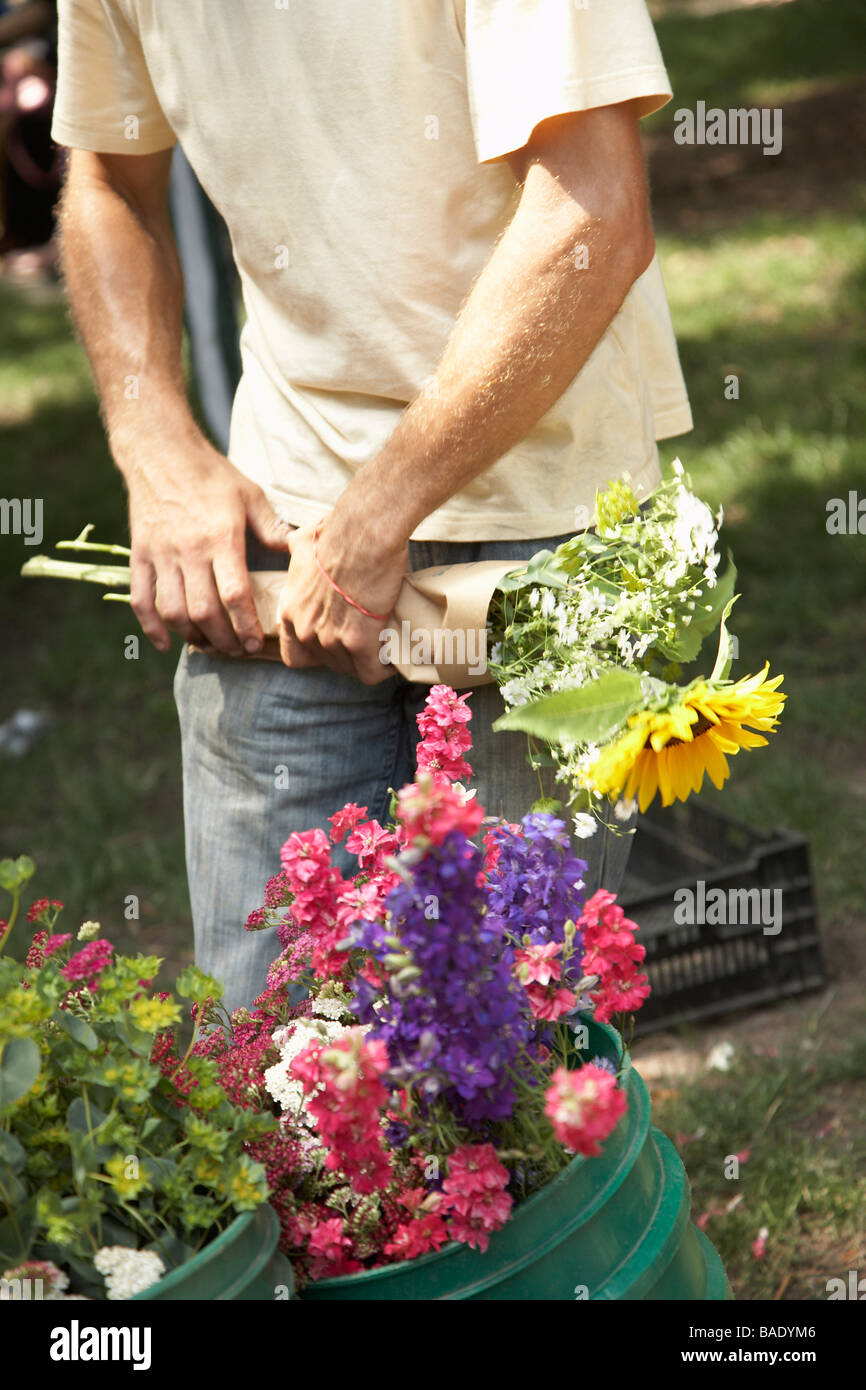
213	1250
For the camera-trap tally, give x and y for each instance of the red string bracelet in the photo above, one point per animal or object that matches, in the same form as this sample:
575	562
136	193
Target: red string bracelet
379	617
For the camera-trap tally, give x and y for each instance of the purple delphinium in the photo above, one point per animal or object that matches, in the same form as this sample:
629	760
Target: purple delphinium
536	886
455	1028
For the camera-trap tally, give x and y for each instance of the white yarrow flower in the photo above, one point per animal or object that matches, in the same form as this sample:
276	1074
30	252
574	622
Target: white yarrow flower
127	1271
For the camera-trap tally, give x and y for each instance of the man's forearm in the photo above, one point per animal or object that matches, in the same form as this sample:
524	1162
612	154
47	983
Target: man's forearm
546	296
125	286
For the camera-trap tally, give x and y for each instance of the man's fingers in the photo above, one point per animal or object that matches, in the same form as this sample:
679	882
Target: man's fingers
205	609
292	652
170	599
235	592
270	529
142	589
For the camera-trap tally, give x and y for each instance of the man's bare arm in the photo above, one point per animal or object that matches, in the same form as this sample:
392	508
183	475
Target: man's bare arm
188	506
532	319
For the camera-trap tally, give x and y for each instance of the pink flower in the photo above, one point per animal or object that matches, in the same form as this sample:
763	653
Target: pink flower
372	843
759	1244
429	810
418	1236
345	1095
444	735
474	1196
549	1002
344	821
54	943
535	964
88	963
611	952
327	1239
584	1107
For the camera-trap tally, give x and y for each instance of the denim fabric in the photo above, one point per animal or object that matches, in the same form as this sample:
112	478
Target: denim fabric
268	750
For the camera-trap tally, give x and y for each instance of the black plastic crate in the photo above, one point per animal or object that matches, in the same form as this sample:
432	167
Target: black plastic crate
700	969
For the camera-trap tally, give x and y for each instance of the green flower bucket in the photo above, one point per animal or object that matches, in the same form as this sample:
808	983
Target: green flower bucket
241	1263
612	1227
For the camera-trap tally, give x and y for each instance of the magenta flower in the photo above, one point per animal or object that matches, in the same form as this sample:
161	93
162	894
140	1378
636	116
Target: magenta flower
88	963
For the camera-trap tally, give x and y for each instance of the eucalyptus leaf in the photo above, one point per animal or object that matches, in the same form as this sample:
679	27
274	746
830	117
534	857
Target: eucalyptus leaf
20	1066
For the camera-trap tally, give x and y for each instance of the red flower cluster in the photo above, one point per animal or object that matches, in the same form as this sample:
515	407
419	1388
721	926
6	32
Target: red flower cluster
584	1107
88	963
344	1090
316	884
429	808
474	1194
611	952
539	972
41	905
444	735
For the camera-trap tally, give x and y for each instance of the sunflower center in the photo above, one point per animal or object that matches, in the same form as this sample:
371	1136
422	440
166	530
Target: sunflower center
697	729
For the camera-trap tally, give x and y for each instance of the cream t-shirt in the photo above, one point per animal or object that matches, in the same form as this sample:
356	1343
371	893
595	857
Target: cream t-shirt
354	148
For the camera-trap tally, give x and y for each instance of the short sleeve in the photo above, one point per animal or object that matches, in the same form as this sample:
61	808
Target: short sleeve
105	100
527	60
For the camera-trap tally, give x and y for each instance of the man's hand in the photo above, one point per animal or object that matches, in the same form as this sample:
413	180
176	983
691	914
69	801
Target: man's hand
317	626
188	514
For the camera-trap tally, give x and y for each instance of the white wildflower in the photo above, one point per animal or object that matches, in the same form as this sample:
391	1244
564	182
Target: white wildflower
721	1056
625	808
127	1271
89	931
585	825
548	602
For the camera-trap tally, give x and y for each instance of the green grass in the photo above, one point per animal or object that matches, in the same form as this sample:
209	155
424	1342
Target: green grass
96	802
800	1117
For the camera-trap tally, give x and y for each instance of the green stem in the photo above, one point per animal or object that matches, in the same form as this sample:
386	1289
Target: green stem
16	898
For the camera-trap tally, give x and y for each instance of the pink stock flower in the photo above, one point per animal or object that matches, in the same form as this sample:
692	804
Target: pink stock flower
611	952
536	964
584	1107
429	810
316	885
474	1195
550	1002
345	1095
418	1236
444	735
344	821
327	1239
371	843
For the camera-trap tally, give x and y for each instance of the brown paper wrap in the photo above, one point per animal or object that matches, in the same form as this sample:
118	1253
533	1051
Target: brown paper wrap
441	612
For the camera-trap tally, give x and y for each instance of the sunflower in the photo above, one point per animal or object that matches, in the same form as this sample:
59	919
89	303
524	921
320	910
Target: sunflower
669	750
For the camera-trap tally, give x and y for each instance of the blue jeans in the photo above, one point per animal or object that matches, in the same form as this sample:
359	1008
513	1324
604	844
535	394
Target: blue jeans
268	750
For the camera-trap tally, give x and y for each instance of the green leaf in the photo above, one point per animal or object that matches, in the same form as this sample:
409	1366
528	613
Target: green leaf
77	1028
15	872
12	1153
542	569
136	1038
591	714
193	983
76	1117
705	619
20	1066
726	646
16	1235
